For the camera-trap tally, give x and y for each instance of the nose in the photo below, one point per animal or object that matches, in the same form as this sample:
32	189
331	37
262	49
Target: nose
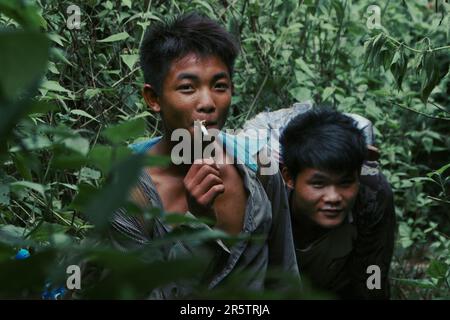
206	102
332	195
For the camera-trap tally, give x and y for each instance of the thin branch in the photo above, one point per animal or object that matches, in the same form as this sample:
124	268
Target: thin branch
123	78
441	48
402	44
398	43
421	113
257	96
438	200
440	107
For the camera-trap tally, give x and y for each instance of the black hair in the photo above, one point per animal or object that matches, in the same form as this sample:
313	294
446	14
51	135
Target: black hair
323	139
169	40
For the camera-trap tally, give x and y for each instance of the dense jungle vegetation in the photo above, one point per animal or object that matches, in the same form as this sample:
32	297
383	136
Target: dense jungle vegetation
70	103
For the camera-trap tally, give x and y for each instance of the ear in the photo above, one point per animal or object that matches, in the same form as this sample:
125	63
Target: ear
151	98
287	177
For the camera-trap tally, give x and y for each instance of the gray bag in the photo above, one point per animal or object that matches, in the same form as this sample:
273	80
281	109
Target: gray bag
275	121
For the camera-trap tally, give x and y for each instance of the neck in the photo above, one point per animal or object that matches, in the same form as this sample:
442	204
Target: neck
164	148
305	231
308	231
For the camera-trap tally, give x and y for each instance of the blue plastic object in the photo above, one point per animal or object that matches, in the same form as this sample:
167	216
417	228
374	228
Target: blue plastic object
48	294
53	294
22	254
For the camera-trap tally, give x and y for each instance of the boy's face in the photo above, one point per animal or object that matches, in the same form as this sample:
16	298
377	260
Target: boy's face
195	88
324	197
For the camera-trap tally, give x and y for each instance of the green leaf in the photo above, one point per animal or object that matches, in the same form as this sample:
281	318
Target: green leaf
428	144
301	77
300	93
159	161
41	107
69	186
373	110
22	164
24	12
197	234
32	273
86	193
437	269
373	53
405	235
30	185
116	192
414	12
88	173
115	37
340	10
125	131
422	283
327	93
399	66
304	67
19	69
176	218
431	74
132	277
441	170
90	93
386	56
52	68
207	6
46	230
54	86
404	230
129	60
4	194
103	157
406	242
37	142
82	113
78	144
57	38
126	3
67	159
59	55
10	233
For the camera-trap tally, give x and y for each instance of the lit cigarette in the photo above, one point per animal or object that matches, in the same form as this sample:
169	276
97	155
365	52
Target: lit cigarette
202	126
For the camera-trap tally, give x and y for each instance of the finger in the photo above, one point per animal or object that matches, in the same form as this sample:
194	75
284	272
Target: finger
211	195
205	185
195	167
198	163
211	162
202	173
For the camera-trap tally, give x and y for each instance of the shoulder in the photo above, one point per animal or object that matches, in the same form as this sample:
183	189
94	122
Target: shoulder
145	145
374	200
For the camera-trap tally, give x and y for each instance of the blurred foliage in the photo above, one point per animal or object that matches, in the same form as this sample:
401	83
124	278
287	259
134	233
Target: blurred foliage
70	103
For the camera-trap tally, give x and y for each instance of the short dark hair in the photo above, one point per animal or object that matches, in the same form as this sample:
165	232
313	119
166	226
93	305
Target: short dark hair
323	139
168	40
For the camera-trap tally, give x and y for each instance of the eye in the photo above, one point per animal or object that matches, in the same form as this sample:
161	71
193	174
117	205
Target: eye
221	86
185	88
346	183
317	184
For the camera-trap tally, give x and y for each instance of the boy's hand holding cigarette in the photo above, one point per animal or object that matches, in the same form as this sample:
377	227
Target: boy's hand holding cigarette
203	184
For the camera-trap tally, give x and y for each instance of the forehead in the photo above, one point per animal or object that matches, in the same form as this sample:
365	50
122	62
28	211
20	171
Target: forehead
198	65
310	173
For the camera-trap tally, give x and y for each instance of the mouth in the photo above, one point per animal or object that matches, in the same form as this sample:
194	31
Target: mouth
205	123
331	213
